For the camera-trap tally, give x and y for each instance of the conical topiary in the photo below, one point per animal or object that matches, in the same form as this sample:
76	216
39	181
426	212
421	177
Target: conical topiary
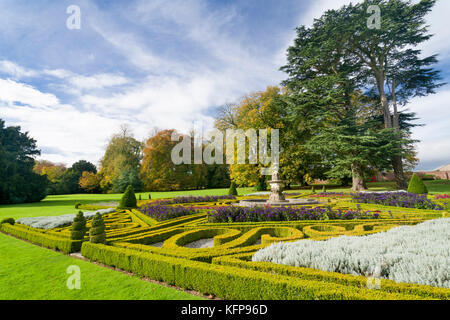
313	189
78	227
233	190
128	199
324	189
416	185
97	232
149	196
261	185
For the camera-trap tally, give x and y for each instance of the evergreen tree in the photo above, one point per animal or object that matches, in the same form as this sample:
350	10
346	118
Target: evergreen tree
384	55
18	182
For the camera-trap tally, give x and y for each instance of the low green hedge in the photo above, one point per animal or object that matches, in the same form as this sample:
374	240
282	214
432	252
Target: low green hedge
228	282
244	261
46	240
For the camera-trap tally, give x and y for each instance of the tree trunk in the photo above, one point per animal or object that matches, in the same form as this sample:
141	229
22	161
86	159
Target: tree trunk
396	121
358	183
400	179
383	100
397	162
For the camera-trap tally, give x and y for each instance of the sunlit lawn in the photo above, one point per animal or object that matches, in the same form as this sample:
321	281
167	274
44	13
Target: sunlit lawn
31	272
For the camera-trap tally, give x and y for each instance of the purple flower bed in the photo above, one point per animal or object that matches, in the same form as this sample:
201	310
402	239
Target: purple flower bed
161	213
193	199
258	214
397	199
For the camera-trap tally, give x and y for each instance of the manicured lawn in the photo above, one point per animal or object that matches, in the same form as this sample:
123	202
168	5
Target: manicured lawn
64	204
31	272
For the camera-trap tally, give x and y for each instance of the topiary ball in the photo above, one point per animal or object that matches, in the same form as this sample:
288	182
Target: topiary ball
417	186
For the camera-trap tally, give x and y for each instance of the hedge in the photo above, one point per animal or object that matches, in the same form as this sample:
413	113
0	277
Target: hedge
227	241
49	241
243	261
228	282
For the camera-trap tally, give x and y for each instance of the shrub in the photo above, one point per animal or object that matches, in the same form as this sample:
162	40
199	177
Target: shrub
149	196
233	190
97	232
78	227
227	282
140	198
417	186
193	199
313	189
8	220
397	199
128	199
324	189
78	205
161	213
259	214
54	242
261	185
58	221
409	254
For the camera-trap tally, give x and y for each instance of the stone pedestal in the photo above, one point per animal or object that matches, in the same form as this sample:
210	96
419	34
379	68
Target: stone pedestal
277	191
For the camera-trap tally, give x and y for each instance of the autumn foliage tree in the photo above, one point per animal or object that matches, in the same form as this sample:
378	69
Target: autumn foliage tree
90	182
122	152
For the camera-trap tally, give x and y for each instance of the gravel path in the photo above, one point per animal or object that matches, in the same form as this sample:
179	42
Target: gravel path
157	244
200	244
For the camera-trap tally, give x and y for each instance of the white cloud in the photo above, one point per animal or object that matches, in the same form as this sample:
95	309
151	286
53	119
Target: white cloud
434	112
14	92
98	81
15	70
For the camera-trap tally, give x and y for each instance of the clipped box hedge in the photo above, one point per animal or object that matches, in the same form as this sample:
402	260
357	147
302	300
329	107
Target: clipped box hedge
50	241
228	282
244	261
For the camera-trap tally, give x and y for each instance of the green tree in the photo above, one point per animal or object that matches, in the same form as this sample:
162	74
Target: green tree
130	176
18	182
384	55
71	178
123	152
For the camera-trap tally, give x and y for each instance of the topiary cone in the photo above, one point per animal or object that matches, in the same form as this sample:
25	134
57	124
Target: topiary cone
128	199
232	191
416	185
97	232
78	227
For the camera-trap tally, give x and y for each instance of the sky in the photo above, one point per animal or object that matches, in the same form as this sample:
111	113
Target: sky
164	64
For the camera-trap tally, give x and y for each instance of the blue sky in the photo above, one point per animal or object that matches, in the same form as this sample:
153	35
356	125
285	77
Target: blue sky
164	64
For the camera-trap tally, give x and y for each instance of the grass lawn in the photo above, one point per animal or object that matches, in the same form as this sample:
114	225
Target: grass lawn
64	204
31	272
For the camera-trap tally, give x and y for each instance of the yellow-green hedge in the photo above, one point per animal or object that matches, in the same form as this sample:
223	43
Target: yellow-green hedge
228	282
244	261
65	245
